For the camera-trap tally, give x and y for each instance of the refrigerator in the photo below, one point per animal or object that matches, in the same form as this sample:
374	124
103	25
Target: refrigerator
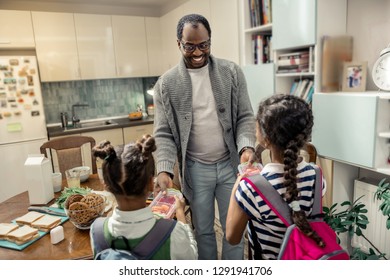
22	121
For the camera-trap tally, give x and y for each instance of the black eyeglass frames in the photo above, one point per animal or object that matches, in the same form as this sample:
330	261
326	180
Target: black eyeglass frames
204	46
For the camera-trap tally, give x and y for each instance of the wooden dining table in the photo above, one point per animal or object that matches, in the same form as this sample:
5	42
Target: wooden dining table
76	244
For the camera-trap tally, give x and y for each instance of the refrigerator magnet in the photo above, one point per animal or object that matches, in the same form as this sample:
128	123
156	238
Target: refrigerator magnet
12	88
13	127
34	113
30	80
8	81
8	74
14	62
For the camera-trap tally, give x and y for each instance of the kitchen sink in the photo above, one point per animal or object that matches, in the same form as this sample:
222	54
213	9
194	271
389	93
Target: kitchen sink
93	124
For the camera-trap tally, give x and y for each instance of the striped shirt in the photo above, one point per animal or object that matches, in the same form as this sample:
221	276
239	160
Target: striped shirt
269	229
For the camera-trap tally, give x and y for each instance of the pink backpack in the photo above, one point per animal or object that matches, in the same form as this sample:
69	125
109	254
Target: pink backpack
296	245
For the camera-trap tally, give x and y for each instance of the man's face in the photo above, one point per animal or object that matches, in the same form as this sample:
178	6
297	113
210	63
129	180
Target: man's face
195	45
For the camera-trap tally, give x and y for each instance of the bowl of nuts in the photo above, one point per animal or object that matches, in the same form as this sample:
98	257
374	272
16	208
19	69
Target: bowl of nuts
82	210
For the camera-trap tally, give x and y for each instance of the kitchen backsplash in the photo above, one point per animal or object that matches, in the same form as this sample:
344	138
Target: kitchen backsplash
106	98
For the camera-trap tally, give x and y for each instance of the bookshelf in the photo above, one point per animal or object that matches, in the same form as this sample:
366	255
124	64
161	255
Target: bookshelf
298	26
257	62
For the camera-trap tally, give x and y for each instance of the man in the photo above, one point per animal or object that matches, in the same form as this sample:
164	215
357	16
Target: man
204	119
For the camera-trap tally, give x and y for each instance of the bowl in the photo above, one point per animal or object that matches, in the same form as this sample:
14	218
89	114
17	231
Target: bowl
84	172
83	210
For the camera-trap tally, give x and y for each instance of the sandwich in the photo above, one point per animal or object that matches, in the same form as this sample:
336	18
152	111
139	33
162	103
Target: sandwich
46	222
6	228
22	235
28	218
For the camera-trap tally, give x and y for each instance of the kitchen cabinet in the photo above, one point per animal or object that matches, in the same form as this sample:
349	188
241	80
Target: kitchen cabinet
16	30
115	136
153	38
133	133
95	46
56	46
353	128
130	43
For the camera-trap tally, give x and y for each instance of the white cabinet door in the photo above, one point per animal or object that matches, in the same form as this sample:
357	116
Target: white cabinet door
95	46
170	51
115	136
294	23
134	133
130	46
56	46
16	30
154	41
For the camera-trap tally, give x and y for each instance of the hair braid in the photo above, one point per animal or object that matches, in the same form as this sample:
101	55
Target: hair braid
286	121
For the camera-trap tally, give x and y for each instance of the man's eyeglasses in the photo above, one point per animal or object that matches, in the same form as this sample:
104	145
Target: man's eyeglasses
189	48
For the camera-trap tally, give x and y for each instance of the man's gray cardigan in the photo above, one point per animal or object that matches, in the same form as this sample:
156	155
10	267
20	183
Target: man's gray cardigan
173	115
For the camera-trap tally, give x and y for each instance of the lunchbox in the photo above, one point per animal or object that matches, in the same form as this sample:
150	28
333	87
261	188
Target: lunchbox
163	206
253	170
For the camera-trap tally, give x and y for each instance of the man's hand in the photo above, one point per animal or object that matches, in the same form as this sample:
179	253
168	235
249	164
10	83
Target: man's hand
163	182
248	156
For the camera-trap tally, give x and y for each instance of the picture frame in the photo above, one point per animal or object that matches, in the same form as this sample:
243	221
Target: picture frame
354	76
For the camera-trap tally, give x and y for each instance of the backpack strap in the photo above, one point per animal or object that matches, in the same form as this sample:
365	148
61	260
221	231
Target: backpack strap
275	201
317	203
97	230
270	196
155	238
151	243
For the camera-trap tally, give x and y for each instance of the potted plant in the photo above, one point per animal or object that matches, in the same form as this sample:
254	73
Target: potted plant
352	219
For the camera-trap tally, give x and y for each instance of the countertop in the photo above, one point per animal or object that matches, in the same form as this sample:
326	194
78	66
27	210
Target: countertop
57	130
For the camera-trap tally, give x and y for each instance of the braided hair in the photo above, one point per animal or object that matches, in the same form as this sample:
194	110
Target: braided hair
128	171
286	122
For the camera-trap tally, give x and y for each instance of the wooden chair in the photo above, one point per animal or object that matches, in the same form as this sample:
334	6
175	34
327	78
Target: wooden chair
68	150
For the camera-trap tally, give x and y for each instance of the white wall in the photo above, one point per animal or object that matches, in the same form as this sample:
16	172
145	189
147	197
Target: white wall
369	24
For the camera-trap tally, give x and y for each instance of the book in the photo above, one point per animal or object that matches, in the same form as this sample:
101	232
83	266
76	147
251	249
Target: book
293	87
298	53
301	87
259	49
296	66
310	95
293	60
307	90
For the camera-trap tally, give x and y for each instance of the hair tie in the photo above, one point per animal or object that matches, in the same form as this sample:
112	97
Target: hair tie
295	206
107	158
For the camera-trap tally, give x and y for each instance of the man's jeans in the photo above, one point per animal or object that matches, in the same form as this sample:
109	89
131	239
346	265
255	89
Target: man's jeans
212	182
